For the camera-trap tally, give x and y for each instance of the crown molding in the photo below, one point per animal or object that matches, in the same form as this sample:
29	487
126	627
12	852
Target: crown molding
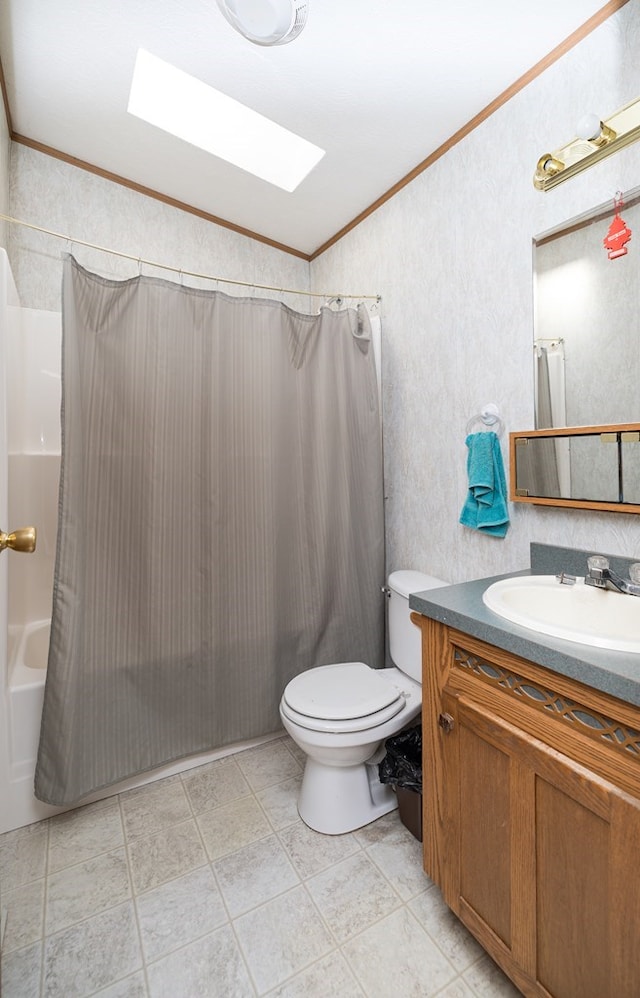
570	42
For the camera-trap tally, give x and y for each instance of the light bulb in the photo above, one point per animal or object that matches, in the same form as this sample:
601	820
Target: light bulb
589	127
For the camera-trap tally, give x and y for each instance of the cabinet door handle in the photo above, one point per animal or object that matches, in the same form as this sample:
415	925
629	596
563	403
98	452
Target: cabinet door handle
446	722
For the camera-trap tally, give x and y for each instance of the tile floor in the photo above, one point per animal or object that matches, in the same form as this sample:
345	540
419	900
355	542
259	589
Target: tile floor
209	884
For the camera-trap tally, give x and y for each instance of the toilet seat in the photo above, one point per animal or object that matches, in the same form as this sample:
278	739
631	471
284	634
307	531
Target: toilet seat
346	697
340	692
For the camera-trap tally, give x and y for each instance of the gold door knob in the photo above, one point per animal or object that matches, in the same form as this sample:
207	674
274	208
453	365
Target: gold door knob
23	539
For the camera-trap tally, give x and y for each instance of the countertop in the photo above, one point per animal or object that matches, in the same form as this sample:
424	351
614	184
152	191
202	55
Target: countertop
461	607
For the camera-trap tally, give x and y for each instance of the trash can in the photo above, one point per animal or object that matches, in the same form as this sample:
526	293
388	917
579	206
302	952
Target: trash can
402	767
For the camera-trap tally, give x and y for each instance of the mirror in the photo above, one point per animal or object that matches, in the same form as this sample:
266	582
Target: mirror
587	321
595	467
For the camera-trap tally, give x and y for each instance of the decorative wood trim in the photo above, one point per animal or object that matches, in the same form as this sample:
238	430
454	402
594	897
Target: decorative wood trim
578	431
602	507
625	711
624	905
156	195
496	949
5	101
619	768
446	830
523	866
573	39
434	672
577	36
585	719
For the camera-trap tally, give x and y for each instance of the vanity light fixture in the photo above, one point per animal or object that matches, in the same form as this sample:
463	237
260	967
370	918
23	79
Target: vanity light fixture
595	139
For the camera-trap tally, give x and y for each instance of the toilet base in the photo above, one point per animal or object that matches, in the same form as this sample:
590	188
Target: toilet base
338	799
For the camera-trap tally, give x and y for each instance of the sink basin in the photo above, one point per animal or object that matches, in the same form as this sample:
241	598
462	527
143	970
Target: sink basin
580	613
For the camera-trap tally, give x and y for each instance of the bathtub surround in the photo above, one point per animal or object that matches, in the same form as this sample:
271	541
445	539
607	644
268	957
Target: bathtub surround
220	521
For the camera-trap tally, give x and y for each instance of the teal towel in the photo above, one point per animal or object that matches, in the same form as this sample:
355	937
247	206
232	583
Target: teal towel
485	507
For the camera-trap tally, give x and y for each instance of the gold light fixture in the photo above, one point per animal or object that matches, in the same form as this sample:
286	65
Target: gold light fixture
595	140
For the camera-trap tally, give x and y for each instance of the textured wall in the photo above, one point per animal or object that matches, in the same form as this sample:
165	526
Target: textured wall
65	199
451	256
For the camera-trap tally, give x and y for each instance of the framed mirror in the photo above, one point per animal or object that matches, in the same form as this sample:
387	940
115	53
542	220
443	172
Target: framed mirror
587	320
585	450
588	467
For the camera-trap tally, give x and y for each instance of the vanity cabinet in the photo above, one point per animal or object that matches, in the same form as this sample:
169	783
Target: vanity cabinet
531	822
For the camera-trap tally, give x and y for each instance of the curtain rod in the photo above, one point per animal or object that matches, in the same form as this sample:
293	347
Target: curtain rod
179	270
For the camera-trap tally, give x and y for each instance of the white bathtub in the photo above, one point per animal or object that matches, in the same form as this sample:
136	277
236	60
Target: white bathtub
28	652
29	665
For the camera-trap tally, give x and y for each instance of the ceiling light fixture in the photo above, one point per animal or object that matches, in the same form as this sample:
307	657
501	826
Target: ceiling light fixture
197	113
595	139
266	22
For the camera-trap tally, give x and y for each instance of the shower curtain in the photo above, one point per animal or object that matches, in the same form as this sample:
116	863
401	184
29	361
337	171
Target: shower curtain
220	521
543	469
551	458
557	393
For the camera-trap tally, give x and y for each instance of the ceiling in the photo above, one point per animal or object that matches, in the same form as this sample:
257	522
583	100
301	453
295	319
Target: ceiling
380	85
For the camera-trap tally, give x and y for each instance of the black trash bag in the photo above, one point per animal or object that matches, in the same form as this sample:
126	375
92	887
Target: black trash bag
402	765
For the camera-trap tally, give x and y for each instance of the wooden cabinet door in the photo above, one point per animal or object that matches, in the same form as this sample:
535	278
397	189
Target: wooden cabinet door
543	859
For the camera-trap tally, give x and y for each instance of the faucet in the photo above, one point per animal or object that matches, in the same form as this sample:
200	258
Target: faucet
599	574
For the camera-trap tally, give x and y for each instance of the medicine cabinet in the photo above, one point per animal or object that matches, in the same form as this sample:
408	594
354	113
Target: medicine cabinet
582	467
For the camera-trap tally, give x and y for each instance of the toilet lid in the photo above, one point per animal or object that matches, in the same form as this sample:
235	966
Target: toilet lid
340	692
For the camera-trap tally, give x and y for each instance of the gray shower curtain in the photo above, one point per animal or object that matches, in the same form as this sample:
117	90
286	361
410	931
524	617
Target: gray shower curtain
543	478
220	521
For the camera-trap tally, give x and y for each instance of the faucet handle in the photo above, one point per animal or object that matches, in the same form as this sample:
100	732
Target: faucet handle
597	563
634	572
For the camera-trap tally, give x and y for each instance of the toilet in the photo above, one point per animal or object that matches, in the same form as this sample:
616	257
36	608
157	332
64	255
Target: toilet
341	715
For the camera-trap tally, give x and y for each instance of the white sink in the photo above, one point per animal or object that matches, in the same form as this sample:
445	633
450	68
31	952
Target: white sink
580	613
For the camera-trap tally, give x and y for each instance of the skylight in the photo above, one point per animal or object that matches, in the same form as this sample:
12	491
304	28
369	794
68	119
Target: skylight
184	106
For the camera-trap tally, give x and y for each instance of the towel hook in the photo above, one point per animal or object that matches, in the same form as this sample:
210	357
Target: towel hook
489	416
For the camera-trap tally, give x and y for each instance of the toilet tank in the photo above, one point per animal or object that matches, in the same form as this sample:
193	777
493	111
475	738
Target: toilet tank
404	637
